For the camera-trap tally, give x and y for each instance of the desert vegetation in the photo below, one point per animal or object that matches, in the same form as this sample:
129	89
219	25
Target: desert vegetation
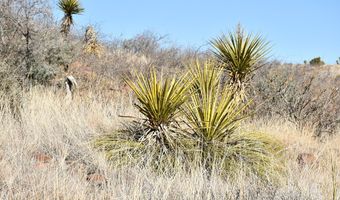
155	121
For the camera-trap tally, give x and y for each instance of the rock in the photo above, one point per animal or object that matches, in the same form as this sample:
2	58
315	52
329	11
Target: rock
42	157
96	179
42	160
306	159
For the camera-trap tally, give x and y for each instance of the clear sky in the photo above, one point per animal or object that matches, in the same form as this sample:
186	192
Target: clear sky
298	29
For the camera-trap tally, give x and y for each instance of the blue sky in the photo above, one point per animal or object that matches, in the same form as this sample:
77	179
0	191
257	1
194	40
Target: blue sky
297	29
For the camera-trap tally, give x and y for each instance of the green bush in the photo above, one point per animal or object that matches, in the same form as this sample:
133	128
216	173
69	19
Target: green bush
41	75
316	61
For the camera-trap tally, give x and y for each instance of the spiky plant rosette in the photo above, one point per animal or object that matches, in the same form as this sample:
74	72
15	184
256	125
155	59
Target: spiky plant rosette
213	114
156	136
70	8
240	54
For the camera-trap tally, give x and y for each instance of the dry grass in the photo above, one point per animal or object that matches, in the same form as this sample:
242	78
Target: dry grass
49	156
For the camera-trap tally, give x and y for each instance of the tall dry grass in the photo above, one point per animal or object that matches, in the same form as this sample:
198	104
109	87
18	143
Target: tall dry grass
63	133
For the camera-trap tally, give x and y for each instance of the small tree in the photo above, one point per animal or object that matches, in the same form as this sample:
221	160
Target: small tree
316	61
19	31
70	8
29	43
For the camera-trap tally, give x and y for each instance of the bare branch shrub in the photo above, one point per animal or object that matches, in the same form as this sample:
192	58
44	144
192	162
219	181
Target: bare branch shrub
121	57
304	95
155	50
31	41
10	90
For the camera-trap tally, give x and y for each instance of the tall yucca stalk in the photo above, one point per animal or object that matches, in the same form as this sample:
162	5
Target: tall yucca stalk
240	54
70	8
213	114
92	45
157	134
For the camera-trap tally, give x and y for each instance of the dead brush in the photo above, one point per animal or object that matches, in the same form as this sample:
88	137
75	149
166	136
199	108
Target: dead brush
10	91
300	96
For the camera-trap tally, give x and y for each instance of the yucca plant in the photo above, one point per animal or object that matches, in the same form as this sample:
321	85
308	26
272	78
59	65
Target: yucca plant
159	101
240	54
157	135
92	45
213	114
70	8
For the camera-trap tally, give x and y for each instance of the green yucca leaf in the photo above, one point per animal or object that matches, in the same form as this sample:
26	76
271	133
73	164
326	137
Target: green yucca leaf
213	114
213	110
70	7
159	101
158	135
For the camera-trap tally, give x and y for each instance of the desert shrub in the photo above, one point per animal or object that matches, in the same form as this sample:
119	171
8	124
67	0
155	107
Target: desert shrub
58	52
213	115
120	56
302	95
316	61
155	50
33	45
146	43
114	63
41	74
10	90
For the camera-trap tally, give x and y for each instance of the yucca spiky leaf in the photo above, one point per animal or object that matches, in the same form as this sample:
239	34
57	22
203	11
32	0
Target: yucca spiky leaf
159	101
240	54
213	114
70	8
158	134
